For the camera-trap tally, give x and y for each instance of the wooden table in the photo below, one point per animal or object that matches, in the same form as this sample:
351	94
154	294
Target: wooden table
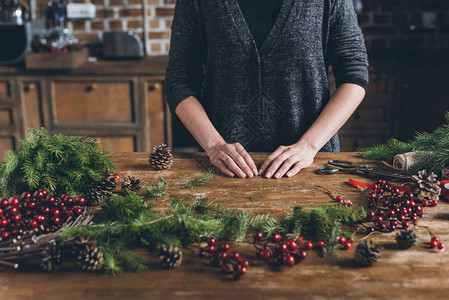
416	273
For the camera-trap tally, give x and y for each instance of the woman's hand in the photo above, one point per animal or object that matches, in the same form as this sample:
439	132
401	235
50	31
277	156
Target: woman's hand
232	159
288	159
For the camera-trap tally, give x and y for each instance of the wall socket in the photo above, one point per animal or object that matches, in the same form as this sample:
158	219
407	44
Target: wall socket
81	10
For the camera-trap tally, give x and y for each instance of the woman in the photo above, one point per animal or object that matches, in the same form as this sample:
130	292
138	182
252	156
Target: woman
251	75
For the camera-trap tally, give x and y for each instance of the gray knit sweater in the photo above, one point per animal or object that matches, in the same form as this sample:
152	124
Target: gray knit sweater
266	97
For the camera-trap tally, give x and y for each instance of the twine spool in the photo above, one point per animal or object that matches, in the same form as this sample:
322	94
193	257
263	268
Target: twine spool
404	161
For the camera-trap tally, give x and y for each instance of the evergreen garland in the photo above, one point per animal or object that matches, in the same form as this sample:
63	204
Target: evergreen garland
432	149
60	164
155	190
200	180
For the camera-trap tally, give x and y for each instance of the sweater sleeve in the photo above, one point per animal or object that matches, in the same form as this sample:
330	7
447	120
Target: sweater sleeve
347	50
184	74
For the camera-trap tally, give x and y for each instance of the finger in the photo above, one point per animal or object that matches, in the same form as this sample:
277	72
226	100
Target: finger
286	165
220	165
295	170
230	163
247	160
275	164
270	158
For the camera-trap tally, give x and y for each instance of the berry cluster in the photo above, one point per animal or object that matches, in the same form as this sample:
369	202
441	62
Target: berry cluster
342	201
389	208
285	252
39	212
219	256
346	243
435	243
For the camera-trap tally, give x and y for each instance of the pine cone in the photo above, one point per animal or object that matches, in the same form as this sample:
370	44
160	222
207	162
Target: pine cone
425	187
95	194
89	256
406	239
131	183
51	258
161	158
366	254
171	256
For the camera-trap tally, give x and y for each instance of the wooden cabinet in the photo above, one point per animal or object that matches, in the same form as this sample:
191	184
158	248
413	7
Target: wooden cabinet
120	103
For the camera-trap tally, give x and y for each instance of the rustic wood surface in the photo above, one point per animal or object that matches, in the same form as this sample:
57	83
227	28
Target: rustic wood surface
417	273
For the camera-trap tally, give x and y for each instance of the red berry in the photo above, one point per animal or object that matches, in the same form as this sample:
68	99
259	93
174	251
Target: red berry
412	203
63	196
302	255
117	176
80	200
276	237
308	246
258	235
210	248
78	210
434	203
31	205
425	203
25	195
348	245
349	203
339	198
69	201
405	225
211	241
242	271
433	244
265	254
435	238
16	218
39	218
292	245
351	240
14	201
13	210
282	247
44	192
225	247
343	202
55	220
55	212
288	260
391	213
4	203
235	255
341	240
1	212
383	182
223	256
4	222
372	196
375	186
320	244
33	223
370	215
39	194
441	246
5	235
379	219
245	264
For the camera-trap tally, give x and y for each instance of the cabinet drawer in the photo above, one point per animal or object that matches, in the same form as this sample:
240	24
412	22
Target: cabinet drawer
373	114
91	102
5	117
118	143
351	143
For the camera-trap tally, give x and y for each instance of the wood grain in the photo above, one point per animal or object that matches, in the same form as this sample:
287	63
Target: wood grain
417	273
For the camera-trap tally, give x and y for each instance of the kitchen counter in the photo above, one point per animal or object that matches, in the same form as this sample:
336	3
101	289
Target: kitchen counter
418	272
148	66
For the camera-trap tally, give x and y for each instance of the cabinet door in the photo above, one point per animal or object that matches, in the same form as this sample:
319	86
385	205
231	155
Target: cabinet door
157	121
31	103
105	108
10	127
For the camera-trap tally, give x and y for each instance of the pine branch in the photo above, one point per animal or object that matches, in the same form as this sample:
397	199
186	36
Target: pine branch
200	180
156	190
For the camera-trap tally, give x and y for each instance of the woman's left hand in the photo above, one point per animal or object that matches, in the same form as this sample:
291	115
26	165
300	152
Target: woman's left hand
288	160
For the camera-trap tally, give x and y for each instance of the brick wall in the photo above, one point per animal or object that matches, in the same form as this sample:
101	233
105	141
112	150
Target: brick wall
387	24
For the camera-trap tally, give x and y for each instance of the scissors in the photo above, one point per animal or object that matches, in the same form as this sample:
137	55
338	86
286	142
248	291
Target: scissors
343	166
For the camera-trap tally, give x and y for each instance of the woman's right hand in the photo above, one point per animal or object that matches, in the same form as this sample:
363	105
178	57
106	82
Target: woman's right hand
232	159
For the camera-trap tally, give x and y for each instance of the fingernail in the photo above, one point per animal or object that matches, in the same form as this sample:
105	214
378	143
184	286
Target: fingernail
255	172
243	175
261	171
268	175
278	175
289	174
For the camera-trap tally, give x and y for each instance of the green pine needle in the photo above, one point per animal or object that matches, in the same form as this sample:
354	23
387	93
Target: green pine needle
200	180
155	190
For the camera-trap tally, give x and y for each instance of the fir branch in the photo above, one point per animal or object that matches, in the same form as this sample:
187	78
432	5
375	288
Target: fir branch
200	180
156	190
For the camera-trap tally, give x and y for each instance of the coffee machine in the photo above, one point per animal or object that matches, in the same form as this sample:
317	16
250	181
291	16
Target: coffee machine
16	31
